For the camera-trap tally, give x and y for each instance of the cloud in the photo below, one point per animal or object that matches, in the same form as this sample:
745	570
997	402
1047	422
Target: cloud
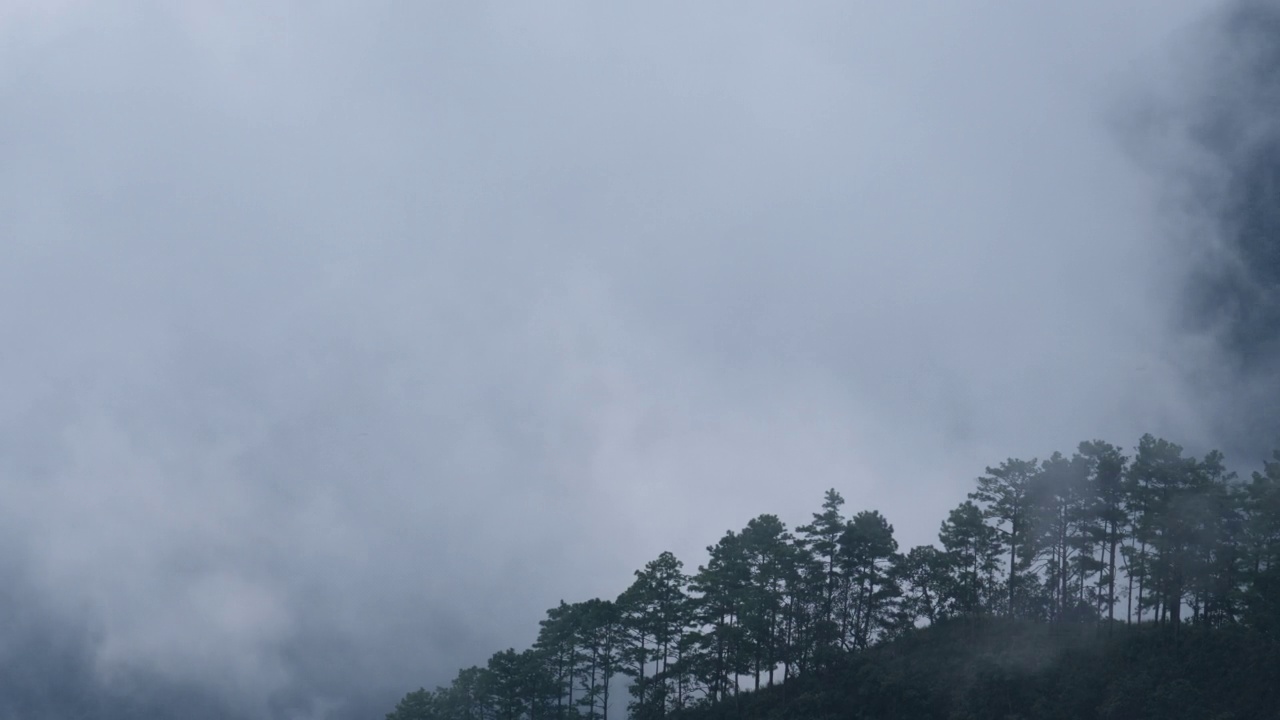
342	341
1210	132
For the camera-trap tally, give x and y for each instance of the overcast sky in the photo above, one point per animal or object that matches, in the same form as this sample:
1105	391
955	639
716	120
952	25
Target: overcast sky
340	340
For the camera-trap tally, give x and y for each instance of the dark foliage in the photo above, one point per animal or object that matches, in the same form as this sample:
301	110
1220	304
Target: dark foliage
1006	669
1096	585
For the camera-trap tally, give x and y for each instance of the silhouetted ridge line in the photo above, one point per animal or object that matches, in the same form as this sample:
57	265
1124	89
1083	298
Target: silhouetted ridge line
1054	585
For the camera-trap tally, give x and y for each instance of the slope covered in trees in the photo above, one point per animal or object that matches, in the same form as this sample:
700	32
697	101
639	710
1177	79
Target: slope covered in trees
1095	584
997	668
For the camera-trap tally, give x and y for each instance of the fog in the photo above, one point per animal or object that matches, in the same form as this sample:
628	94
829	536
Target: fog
343	339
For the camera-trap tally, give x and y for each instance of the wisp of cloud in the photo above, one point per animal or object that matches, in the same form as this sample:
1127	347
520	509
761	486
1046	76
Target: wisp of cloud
341	340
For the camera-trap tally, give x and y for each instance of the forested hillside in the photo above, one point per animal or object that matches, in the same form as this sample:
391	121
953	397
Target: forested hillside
1095	584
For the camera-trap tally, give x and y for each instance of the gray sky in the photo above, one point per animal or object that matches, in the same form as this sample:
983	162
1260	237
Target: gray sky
343	339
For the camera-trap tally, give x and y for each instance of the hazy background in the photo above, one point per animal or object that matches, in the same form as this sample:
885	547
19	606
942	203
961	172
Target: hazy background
340	340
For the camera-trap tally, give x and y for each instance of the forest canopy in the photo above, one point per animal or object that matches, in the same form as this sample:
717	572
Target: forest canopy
1042	553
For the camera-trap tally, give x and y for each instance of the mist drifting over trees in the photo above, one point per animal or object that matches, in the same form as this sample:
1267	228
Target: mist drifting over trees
1096	539
344	339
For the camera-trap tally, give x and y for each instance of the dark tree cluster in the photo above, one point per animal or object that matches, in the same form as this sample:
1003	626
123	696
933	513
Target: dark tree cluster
1096	539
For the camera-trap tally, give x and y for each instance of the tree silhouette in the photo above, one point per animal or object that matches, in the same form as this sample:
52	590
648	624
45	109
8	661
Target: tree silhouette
1181	538
1007	492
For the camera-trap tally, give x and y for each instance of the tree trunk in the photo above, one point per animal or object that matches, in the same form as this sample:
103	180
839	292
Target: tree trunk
1142	580
1128	613
1013	563
1111	589
640	695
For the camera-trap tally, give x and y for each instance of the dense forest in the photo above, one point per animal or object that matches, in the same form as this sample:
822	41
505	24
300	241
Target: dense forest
1089	585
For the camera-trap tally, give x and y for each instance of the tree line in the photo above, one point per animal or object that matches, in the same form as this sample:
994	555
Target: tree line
1100	537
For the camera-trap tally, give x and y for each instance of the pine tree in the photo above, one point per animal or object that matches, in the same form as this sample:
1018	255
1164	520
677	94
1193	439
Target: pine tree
653	612
924	573
1007	492
467	697
1175	492
505	692
1064	518
418	705
805	580
1261	551
722	586
598	647
1262	509
973	556
765	543
558	643
822	539
867	549
1107	467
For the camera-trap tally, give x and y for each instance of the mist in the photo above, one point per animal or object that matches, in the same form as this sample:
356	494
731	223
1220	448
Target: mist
1216	140
342	341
